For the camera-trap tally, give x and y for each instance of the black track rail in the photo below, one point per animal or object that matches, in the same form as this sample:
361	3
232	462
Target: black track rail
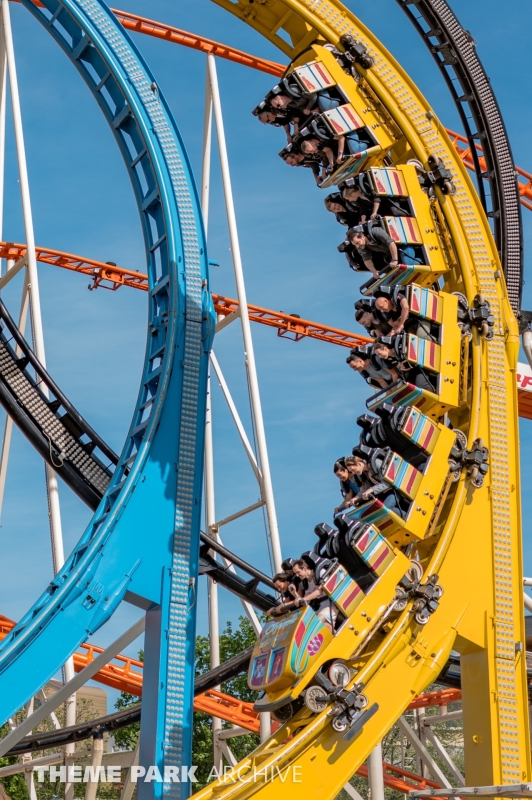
68	444
450	676
121	719
46	417
454	51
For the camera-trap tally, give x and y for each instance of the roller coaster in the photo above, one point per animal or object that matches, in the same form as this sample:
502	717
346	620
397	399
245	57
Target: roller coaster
394	569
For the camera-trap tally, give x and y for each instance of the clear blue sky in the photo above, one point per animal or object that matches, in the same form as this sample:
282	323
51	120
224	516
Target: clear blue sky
82	203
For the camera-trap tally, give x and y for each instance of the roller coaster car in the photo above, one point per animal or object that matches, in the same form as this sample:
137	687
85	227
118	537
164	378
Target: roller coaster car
419	230
401	428
420	492
318	69
293	650
441	359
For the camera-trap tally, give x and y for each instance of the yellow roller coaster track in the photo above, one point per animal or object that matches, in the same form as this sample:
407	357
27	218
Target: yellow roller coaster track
473	541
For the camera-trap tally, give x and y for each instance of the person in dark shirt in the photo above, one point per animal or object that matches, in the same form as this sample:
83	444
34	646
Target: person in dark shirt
354	259
392	307
375	373
342	210
314	596
410	373
294	158
291	96
279	120
372	485
348	485
374	206
357	199
326	148
375	244
316	138
366	316
289	598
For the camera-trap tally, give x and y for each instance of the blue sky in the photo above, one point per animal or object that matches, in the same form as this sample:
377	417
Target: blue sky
82	203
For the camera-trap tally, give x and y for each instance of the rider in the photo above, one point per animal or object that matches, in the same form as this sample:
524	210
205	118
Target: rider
372	485
292	156
313	594
348	485
370	241
288	596
367	317
361	360
385	351
343	211
392	307
358	191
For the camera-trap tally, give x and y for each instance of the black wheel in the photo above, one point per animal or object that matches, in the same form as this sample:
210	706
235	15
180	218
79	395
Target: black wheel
283	713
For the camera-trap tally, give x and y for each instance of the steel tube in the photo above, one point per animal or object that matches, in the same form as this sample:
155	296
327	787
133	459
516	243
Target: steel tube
70	688
375	773
236	418
266	483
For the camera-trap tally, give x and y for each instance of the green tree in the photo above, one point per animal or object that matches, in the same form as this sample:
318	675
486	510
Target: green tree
232	641
15	785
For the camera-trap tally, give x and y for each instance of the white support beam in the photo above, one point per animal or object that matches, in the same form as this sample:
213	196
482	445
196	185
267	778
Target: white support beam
232	732
239	514
30	259
266	482
52	717
129	785
439	718
506	790
96	761
352	792
236	418
210	513
43	761
265	726
225	321
444	755
375	773
15	269
248	608
422	752
3	105
72	686
228	753
8	425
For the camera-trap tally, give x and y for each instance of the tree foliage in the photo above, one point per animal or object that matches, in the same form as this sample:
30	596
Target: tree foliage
232	641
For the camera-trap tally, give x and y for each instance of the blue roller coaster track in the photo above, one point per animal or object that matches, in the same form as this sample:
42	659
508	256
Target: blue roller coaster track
142	543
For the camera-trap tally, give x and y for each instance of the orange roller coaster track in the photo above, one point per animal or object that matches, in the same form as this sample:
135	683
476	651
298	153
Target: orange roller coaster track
134	22
289	326
169	33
